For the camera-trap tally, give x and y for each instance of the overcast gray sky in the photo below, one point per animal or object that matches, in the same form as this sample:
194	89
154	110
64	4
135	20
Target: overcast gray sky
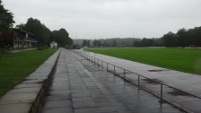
95	19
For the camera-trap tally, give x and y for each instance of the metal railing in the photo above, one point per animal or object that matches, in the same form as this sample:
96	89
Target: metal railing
156	88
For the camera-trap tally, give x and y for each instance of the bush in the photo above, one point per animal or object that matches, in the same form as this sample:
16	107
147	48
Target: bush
40	47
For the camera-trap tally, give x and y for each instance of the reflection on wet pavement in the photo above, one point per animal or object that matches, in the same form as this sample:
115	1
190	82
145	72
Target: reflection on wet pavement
82	87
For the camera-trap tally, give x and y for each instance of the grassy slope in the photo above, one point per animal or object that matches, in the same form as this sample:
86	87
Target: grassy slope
15	67
186	60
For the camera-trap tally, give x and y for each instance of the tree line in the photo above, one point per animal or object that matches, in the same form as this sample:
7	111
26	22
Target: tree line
44	35
6	19
183	38
40	31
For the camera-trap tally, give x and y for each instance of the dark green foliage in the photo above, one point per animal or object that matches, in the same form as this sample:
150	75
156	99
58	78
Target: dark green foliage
6	19
170	39
61	37
114	44
20	26
40	31
97	43
183	37
85	43
44	35
194	36
88	43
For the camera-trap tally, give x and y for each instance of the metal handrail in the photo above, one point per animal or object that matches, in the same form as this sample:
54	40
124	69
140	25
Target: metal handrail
139	75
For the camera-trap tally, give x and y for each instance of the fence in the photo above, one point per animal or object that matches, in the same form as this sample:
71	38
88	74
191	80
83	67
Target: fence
165	92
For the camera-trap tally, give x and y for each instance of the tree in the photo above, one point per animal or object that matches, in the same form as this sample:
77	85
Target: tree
106	44
6	19
182	37
88	43
170	39
40	31
195	36
147	42
114	44
44	35
84	43
20	26
61	37
70	41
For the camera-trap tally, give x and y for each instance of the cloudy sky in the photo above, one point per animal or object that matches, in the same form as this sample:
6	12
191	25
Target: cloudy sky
95	19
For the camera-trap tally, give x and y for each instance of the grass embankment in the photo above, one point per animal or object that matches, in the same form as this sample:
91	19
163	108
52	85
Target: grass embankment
185	60
15	67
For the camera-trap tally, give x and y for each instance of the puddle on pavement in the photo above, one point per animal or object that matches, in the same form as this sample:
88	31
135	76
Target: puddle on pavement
152	81
178	93
41	82
157	70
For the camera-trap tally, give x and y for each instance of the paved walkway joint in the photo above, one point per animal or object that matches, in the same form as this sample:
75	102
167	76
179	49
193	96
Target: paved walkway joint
79	86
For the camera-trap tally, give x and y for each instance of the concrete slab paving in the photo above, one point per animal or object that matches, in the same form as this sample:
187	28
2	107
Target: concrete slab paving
15	108
172	77
79	86
189	83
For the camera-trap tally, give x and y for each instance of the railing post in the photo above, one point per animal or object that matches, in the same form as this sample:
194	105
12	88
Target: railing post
138	83
107	66
102	64
124	74
94	60
161	93
114	69
98	62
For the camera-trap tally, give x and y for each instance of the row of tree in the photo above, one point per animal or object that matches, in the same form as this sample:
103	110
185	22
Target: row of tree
106	42
113	42
183	38
40	31
44	35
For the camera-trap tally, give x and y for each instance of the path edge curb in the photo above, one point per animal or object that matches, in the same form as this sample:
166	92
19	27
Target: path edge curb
41	94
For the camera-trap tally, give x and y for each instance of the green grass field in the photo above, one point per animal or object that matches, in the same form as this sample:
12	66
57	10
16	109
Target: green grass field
16	66
185	60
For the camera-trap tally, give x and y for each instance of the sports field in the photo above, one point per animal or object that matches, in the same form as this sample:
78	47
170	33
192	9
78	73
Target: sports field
185	60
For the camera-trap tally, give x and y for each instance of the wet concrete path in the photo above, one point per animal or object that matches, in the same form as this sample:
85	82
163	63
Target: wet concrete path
179	88
79	86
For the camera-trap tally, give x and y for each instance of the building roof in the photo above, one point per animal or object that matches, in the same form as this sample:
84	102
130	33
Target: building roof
53	42
23	31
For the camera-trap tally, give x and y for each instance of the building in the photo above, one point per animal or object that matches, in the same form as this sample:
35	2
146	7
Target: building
53	44
19	38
